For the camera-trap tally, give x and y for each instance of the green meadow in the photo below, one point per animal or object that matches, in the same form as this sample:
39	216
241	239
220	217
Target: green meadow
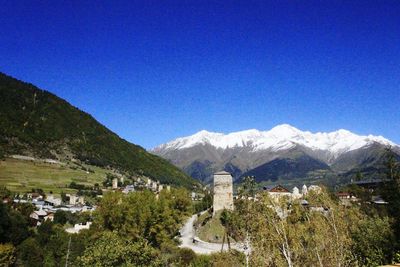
23	176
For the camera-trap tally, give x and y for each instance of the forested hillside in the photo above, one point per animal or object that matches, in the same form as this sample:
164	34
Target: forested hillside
37	123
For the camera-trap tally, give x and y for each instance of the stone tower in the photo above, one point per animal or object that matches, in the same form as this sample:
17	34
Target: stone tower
223	191
115	183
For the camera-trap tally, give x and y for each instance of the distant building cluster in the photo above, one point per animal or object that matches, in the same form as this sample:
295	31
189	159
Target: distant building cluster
223	192
347	198
47	206
138	184
276	192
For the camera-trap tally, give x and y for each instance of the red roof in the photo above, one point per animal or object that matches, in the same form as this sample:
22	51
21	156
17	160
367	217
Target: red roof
279	189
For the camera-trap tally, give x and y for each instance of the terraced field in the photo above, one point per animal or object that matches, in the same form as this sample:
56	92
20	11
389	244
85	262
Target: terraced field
23	175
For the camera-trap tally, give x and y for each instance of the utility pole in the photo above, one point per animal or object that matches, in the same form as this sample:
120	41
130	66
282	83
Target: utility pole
247	249
223	242
69	246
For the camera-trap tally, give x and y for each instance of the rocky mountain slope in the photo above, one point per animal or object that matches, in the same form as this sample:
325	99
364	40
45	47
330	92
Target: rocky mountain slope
34	122
283	152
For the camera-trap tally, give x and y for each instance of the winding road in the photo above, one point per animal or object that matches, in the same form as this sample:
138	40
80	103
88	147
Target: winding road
189	240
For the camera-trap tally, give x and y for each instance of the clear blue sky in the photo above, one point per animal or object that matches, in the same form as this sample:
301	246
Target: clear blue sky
152	72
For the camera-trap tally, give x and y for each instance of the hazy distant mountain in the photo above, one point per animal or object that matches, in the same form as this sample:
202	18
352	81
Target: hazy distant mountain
283	152
34	122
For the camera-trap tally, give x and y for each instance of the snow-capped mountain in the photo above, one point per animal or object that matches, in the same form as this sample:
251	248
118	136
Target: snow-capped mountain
278	138
242	151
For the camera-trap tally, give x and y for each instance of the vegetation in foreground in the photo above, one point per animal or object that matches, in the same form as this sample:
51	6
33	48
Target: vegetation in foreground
324	233
139	229
321	231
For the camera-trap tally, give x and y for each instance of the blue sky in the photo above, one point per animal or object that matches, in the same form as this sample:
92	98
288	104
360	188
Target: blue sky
152	71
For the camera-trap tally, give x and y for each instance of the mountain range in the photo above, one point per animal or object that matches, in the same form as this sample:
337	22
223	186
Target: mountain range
34	122
37	123
284	153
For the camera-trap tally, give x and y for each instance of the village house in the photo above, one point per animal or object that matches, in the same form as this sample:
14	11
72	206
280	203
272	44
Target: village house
344	195
346	198
6	200
371	185
34	196
38	216
378	200
128	189
296	193
278	192
75	200
49	216
78	227
39	204
53	201
154	186
304	190
315	188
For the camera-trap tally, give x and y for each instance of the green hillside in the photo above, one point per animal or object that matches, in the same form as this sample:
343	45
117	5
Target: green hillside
37	123
23	176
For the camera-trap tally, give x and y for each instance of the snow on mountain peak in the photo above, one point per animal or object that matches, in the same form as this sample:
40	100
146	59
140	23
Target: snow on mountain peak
285	128
280	137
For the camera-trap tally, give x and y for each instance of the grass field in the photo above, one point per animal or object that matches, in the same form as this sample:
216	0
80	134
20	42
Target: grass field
22	175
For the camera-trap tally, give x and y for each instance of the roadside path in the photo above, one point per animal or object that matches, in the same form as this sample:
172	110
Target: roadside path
199	246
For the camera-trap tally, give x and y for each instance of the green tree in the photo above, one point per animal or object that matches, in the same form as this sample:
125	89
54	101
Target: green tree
13	226
359	176
64	197
45	231
373	241
112	250
7	255
204	204
57	246
4	192
60	217
231	258
25	209
284	233
391	192
186	256
30	253
201	261
249	186
141	215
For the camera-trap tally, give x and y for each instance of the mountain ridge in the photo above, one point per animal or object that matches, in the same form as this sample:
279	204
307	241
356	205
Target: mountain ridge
240	152
279	137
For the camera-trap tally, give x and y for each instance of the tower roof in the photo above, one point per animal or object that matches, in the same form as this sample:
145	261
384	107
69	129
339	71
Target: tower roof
222	173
